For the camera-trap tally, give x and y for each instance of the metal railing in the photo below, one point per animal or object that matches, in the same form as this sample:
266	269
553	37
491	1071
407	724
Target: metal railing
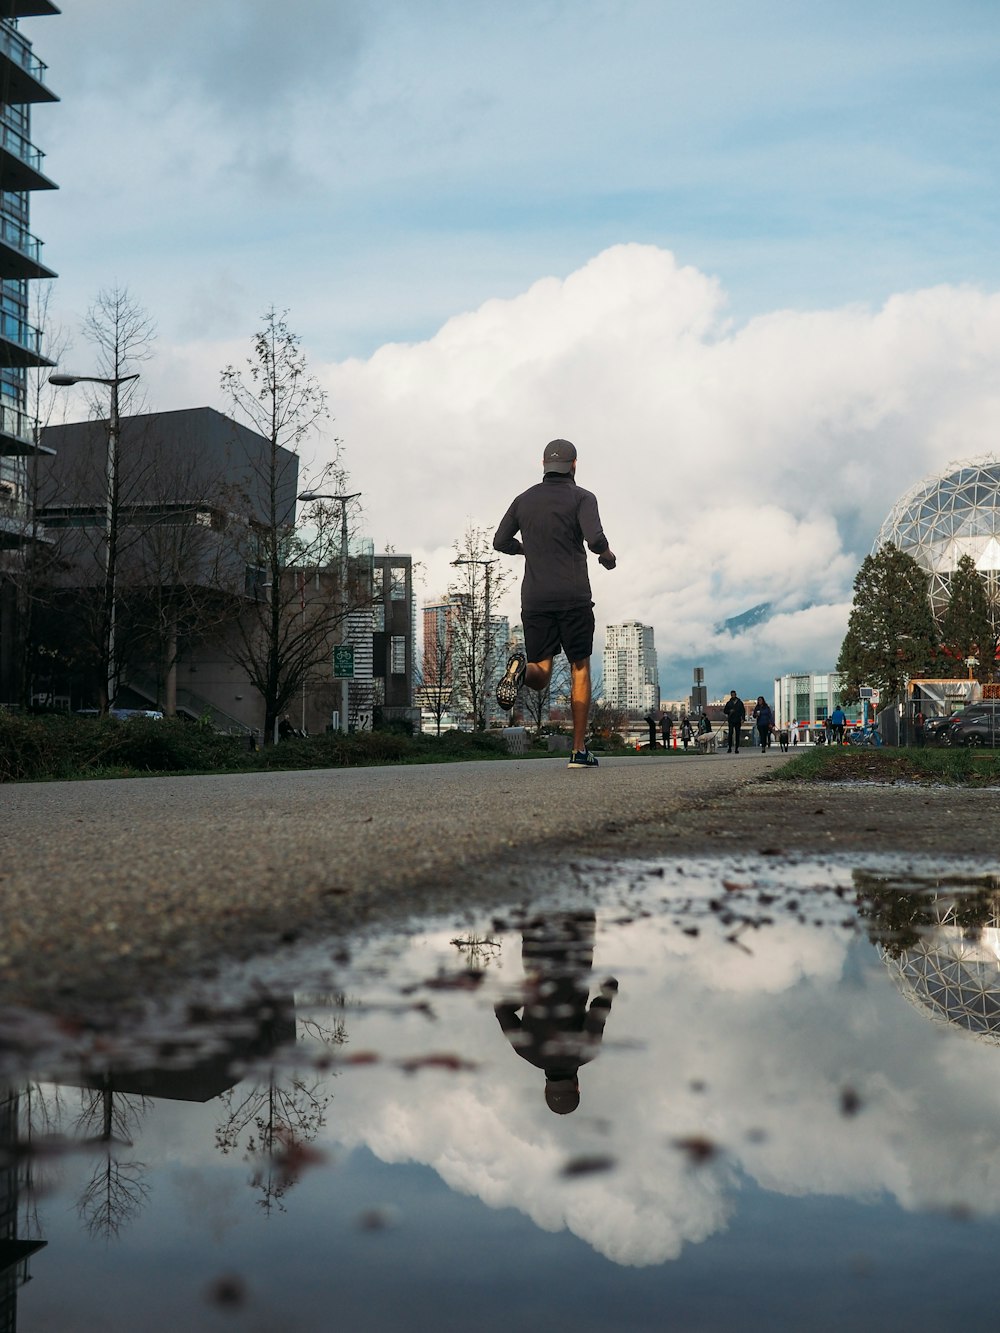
17	330
15	142
18	238
13	45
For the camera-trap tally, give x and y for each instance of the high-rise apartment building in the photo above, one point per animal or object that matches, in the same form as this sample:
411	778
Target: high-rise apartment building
631	677
448	642
22	85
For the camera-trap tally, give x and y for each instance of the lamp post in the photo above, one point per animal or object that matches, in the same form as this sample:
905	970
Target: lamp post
110	523
487	641
342	501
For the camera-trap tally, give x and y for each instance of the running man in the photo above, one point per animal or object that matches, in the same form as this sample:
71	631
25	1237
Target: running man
555	518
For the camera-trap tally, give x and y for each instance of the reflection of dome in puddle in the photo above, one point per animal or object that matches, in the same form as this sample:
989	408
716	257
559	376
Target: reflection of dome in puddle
952	978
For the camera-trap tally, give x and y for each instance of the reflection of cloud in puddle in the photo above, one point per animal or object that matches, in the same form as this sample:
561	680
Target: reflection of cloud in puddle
752	1051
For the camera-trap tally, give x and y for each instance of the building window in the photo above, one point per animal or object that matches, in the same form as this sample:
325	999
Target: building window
397	583
378	617
397	655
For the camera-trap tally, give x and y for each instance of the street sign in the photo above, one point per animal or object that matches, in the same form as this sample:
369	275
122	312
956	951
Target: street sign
343	661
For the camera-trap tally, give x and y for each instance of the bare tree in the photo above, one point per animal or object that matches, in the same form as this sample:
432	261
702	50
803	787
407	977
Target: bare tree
288	629
437	675
121	334
477	645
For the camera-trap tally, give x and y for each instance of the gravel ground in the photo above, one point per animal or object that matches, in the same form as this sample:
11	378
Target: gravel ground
124	888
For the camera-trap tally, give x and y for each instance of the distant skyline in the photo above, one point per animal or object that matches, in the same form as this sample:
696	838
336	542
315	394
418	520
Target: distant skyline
747	257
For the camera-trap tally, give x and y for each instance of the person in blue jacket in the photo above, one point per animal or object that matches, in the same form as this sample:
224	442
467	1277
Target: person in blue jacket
764	718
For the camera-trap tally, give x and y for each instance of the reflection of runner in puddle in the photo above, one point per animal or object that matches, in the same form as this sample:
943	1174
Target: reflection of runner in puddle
556	1031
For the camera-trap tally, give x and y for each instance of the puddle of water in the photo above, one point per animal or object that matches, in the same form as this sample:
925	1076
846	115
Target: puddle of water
727	1094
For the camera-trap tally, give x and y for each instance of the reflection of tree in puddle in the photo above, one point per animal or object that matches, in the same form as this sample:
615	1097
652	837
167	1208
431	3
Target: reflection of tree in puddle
478	950
941	945
116	1191
555	1029
274	1119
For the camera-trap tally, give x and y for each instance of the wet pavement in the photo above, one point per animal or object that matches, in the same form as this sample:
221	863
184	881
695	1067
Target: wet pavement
751	1091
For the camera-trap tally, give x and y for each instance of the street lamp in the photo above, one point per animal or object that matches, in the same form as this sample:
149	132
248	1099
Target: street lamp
110	517
480	705
342	501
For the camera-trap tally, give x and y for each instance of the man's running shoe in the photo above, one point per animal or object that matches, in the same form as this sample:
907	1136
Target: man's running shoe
512	680
582	759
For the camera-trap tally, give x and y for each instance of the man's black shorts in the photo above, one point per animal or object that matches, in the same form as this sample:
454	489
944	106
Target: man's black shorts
572	630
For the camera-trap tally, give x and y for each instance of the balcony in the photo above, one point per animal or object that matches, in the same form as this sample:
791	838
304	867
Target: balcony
23	73
21	162
17	434
20	343
27	9
20	252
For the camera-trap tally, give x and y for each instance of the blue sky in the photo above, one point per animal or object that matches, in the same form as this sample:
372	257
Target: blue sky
381	169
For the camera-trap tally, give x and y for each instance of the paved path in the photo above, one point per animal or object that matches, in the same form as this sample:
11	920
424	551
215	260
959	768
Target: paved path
106	884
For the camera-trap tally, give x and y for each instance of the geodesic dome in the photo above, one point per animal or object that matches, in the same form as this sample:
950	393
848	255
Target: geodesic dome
953	980
947	516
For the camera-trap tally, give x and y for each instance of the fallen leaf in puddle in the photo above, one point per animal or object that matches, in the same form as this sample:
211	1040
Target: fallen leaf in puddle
467	980
698	1149
378	1219
850	1102
587	1166
451	1062
229	1291
732	887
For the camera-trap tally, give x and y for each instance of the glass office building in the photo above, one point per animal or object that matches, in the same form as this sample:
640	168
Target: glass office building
806	699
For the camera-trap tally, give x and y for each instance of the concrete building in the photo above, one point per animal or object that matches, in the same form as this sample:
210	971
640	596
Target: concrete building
23	84
631	676
394	639
193	585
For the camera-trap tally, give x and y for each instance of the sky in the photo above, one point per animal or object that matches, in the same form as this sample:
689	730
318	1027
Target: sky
747	257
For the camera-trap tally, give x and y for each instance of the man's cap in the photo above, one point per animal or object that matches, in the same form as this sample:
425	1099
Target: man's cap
559	456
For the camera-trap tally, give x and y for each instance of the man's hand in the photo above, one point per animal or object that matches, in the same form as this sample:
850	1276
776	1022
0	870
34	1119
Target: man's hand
608	559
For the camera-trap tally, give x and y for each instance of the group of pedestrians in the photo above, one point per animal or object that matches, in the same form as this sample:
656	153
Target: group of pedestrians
763	719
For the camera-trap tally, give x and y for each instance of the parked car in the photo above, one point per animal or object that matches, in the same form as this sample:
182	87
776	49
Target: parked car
979	724
936	728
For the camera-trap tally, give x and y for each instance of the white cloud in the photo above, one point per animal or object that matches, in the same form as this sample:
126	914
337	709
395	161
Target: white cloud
734	465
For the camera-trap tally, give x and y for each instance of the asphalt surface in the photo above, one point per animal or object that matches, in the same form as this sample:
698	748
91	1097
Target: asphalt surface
117	888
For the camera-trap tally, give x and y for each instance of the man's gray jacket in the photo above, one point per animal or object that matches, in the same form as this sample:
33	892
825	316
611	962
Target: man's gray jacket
554	519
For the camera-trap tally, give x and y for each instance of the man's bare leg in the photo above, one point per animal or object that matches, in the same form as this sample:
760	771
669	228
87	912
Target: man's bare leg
538	674
579	701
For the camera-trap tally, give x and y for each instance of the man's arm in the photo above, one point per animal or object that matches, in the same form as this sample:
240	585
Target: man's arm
504	539
593	532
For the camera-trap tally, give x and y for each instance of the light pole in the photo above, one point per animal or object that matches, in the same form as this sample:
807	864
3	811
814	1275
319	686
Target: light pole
479	706
110	523
342	501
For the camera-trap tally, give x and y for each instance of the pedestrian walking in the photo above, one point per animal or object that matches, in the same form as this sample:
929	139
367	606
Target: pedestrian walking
557	519
686	732
918	727
838	720
666	728
764	718
651	724
735	711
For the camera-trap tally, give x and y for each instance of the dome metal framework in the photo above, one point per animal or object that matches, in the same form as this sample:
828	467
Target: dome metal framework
946	516
953	975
